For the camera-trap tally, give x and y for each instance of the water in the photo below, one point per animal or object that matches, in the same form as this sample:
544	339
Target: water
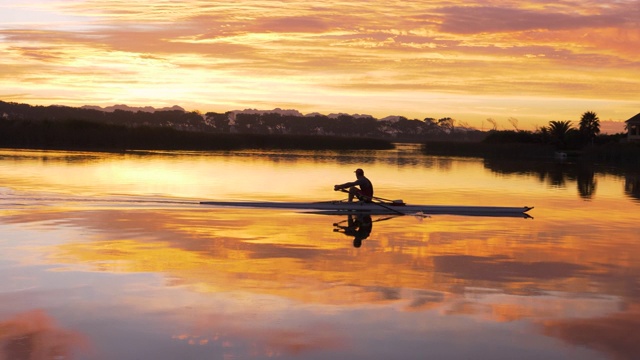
110	256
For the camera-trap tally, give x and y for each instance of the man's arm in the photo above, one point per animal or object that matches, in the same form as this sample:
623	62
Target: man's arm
345	185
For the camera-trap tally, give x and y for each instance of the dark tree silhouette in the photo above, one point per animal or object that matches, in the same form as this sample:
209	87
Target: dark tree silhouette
447	125
219	122
589	126
558	130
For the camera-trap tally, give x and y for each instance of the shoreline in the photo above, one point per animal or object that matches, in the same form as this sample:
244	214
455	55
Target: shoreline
84	135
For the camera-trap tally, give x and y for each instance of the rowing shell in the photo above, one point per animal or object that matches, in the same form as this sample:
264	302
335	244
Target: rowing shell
344	207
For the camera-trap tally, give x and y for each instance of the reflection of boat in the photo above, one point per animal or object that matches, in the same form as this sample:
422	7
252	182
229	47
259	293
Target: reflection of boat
394	207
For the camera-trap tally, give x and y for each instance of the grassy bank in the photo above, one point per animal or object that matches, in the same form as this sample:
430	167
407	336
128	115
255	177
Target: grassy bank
484	150
623	153
613	153
86	135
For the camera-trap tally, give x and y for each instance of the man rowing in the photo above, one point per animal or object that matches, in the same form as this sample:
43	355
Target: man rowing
365	190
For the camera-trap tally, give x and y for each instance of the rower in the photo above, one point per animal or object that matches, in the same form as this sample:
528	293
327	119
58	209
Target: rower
362	189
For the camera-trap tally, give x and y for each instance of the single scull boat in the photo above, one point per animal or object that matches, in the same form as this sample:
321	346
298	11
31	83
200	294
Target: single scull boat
345	207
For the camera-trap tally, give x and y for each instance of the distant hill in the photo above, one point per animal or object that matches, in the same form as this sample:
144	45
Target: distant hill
294	112
356	116
149	109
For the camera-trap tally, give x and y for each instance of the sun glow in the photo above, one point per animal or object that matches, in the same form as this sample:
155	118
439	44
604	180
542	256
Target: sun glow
338	57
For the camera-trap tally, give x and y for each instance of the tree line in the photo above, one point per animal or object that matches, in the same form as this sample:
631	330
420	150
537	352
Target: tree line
582	142
23	125
269	123
399	129
563	134
64	128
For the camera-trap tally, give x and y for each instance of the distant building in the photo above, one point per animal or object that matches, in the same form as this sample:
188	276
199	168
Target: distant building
633	128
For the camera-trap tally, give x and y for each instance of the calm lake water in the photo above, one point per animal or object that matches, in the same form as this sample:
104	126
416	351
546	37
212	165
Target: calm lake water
110	256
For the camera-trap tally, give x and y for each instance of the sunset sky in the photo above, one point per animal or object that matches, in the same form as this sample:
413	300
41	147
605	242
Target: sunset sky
520	63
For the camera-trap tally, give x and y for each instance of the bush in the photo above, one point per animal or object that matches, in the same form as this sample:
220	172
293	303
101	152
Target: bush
87	135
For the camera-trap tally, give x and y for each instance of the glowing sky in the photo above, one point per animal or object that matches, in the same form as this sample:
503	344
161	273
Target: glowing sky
533	61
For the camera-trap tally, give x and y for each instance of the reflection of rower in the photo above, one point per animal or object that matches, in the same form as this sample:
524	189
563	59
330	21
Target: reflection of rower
359	226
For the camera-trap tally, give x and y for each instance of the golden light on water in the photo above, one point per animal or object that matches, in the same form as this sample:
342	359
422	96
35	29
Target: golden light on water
229	250
119	244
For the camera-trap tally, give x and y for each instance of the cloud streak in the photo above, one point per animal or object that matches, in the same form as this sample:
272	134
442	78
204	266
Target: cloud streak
483	19
330	57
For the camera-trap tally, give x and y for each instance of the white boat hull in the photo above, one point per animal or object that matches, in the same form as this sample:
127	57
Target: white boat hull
378	208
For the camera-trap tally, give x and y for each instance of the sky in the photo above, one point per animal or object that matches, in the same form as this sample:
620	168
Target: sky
516	64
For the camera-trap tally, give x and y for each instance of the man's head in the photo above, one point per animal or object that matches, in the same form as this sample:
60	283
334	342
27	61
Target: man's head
359	172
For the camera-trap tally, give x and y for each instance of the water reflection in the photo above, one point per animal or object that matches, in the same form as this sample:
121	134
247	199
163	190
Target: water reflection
408	155
358	226
158	276
632	186
557	174
615	334
191	174
45	156
200	243
35	335
493	270
502	269
587	184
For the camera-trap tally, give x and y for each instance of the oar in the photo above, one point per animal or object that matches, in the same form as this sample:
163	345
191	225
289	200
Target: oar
388	200
378	203
388	208
373	221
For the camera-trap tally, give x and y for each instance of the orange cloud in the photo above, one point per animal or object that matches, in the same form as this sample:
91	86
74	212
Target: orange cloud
493	19
413	59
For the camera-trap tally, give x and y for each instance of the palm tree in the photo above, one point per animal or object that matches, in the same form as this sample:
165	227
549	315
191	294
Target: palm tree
559	130
589	125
